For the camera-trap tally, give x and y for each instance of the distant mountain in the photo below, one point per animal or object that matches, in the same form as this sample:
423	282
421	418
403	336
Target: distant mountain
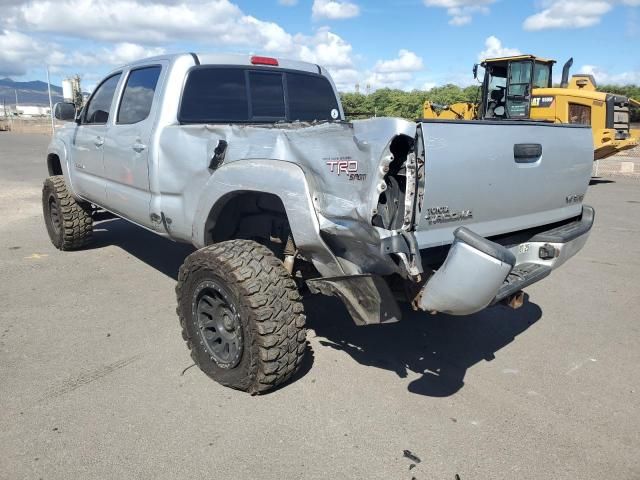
29	93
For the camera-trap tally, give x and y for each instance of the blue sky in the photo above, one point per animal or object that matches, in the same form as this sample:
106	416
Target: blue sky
403	44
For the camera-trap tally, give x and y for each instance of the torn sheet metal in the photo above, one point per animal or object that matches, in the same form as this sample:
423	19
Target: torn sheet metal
341	163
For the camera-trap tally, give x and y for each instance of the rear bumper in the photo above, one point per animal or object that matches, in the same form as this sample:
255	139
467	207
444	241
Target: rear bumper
478	272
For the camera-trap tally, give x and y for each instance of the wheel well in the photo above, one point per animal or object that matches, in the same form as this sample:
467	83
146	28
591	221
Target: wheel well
53	164
249	215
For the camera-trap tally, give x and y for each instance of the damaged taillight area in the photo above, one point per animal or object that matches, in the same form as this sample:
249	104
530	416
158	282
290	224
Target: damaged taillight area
400	191
401	186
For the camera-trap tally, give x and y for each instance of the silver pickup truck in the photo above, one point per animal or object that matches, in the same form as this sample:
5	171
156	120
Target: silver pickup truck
250	160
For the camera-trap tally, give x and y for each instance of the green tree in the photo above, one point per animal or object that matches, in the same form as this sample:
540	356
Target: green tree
387	102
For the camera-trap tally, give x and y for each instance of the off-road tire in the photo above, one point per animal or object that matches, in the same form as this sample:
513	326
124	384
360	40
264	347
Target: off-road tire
71	227
268	307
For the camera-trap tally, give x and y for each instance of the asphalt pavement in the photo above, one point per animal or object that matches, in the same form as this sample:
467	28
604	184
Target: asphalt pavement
96	382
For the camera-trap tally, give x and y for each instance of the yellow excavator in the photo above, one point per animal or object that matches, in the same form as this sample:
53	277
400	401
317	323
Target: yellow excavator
520	88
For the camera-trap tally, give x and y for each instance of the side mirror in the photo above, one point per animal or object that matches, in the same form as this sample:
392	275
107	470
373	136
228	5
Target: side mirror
64	111
475	70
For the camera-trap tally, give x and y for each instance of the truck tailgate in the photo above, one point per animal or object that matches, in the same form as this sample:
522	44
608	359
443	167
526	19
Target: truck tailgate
499	177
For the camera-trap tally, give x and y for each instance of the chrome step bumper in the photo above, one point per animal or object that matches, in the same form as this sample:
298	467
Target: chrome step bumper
478	272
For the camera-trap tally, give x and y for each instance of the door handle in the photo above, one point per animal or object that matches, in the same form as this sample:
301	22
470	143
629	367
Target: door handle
99	141
138	147
527	152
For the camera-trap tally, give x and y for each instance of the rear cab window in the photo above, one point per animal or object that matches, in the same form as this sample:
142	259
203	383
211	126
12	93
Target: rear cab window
227	94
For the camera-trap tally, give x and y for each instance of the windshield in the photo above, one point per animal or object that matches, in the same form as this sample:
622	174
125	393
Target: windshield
519	78
541	75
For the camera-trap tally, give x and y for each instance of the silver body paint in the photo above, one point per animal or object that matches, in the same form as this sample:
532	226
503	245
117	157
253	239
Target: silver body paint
329	177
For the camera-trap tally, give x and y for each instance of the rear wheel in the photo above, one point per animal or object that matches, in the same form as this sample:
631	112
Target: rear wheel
241	315
69	222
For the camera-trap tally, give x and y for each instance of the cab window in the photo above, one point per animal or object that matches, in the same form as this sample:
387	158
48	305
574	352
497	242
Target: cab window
251	94
308	107
99	106
267	95
541	75
518	90
138	95
519	78
580	114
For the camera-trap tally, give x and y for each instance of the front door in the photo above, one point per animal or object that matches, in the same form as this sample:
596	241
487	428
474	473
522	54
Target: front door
126	149
88	142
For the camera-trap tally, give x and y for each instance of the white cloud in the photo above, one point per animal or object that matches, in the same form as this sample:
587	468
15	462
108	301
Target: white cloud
334	9
395	73
331	51
20	52
129	52
346	78
570	14
288	3
603	77
428	85
401	80
325	48
218	22
493	48
407	61
128	29
461	11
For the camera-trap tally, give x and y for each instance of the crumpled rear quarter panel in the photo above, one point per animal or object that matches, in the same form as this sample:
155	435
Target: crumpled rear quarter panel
343	200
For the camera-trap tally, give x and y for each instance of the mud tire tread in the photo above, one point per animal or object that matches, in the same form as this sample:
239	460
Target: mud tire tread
273	313
76	229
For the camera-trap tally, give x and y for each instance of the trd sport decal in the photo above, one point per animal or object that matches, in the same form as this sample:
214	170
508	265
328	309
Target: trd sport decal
345	166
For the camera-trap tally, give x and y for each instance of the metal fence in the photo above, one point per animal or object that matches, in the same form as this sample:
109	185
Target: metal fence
624	164
26	124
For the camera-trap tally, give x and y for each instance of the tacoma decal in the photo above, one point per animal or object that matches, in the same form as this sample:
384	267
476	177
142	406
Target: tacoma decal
445	215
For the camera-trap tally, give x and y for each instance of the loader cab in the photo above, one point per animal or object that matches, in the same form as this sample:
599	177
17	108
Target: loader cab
508	84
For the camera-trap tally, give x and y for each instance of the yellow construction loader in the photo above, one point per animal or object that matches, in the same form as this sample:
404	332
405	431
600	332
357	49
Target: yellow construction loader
520	88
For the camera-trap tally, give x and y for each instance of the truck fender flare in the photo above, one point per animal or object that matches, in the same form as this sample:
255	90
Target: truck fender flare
59	148
283	179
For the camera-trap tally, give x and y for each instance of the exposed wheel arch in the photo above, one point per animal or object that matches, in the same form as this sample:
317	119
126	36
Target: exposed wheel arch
53	164
249	215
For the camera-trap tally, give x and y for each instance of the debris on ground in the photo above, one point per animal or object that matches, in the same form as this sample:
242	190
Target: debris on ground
411	456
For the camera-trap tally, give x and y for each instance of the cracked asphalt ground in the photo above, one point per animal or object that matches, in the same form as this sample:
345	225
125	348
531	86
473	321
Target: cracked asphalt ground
94	381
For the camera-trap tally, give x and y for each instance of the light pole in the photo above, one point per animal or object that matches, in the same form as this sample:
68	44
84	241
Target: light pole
53	127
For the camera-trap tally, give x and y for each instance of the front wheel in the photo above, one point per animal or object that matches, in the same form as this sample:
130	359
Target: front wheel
241	315
69	222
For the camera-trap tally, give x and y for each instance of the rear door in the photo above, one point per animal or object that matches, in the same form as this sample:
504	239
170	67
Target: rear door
502	176
126	148
88	142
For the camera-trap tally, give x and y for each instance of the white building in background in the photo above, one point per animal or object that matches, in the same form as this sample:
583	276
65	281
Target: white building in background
32	110
67	90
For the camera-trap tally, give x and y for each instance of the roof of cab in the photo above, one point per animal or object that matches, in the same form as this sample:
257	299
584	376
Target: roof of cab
235	59
245	59
519	57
